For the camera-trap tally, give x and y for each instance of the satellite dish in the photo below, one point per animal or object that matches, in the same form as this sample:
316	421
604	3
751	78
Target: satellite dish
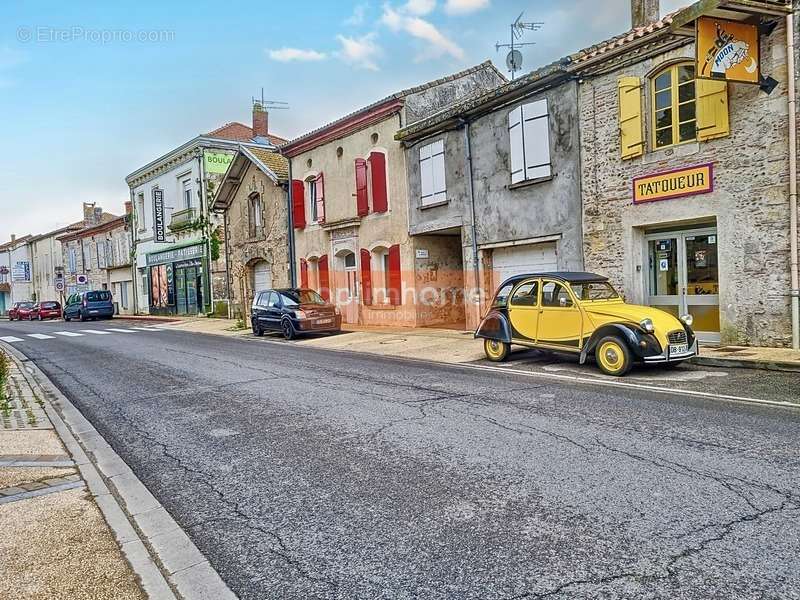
514	60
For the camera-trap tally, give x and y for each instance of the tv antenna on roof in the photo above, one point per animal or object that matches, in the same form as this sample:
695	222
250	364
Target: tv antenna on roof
518	28
271	104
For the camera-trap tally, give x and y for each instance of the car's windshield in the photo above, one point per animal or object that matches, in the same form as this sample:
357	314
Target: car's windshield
296	297
594	290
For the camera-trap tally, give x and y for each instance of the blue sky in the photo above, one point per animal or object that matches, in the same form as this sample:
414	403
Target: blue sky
80	112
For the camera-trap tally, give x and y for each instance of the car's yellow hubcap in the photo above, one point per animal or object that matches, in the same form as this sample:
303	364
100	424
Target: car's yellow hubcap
494	348
611	356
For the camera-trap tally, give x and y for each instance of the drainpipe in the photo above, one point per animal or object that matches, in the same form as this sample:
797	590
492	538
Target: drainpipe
132	254
227	264
290	222
795	293
471	188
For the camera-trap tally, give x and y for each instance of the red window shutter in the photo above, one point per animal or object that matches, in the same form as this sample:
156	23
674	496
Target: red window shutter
362	201
320	198
303	273
324	279
298	204
395	276
366	277
377	169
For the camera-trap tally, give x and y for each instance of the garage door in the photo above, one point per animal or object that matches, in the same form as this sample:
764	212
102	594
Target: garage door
262	276
533	258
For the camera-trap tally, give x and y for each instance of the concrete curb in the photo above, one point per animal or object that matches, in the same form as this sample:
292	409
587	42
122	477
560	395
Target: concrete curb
168	564
733	363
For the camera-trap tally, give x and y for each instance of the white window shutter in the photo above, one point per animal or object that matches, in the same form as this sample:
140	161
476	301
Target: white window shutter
516	145
426	173
536	140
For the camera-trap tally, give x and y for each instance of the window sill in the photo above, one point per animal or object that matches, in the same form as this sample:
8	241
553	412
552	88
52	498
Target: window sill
381	306
524	184
434	204
674	151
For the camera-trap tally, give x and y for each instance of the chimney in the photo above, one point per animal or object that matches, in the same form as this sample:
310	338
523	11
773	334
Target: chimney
260	120
13	238
644	12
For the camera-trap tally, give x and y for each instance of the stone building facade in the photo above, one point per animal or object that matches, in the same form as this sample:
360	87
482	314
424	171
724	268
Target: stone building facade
253	199
350	208
520	176
718	251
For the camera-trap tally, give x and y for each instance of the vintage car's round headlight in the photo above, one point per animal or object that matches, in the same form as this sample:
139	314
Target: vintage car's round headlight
688	319
647	325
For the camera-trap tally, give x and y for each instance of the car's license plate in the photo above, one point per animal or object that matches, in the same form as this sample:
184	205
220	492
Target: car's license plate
678	348
324	321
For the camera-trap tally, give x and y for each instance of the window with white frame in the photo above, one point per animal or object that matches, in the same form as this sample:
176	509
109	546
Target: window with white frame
140	212
529	136
432	173
186	188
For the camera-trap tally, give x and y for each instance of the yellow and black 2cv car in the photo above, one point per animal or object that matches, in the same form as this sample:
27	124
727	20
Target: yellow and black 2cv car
583	314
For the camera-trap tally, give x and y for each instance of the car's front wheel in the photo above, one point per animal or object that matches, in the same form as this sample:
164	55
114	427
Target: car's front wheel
496	351
288	329
613	356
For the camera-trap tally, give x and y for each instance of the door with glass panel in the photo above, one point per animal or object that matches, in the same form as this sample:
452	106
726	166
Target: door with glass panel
683	277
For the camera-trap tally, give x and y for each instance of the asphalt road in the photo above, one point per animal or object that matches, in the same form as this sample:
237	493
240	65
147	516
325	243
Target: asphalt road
304	473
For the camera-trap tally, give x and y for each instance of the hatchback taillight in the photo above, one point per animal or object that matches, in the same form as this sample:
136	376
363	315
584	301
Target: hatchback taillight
85	303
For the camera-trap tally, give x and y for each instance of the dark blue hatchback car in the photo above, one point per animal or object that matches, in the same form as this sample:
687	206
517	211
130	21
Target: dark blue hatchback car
89	305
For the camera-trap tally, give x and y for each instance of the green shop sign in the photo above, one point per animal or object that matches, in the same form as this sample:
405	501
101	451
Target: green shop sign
176	254
217	162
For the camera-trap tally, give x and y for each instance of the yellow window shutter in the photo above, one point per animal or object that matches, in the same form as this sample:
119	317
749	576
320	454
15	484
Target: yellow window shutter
713	120
630	117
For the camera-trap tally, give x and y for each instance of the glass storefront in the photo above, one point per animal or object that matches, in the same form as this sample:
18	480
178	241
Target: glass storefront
683	276
178	286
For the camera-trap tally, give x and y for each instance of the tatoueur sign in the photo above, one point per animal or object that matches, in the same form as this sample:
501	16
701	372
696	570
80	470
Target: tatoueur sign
674	184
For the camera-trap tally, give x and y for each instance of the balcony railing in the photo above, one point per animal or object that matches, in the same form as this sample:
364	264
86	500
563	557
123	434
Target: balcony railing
182	219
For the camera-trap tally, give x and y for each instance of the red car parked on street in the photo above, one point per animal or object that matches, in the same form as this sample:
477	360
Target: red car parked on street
46	310
20	311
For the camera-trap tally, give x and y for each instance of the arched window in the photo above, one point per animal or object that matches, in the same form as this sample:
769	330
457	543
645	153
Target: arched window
254	215
674	119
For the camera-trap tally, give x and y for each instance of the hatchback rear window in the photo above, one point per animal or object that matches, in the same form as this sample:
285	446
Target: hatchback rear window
49	305
98	296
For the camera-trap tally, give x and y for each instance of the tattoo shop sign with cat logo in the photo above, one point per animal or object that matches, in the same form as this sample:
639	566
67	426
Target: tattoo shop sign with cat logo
727	50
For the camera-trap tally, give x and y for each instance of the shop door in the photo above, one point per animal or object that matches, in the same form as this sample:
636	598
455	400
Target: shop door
186	283
683	277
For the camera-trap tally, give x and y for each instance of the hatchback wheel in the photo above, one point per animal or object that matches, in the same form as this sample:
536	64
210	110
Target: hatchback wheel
613	357
288	329
496	351
40	317
82	317
256	329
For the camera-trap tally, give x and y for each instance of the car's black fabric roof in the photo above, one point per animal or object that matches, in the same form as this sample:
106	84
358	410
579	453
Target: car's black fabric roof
568	276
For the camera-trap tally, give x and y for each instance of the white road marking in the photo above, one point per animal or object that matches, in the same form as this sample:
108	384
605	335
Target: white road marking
144	329
40	336
68	333
119	330
95	331
10	339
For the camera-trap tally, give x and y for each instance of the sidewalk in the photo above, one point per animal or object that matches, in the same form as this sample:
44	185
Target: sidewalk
55	542
76	522
447	345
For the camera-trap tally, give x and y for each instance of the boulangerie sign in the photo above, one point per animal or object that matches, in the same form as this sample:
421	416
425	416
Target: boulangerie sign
159	227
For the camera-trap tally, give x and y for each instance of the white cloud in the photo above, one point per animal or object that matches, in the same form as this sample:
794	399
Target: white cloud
360	52
290	54
419	7
357	18
437	44
464	7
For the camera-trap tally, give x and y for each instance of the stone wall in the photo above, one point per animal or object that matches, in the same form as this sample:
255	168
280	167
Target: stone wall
270	244
749	203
